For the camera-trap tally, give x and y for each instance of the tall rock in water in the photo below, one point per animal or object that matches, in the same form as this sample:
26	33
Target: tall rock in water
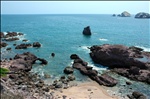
125	14
87	31
142	15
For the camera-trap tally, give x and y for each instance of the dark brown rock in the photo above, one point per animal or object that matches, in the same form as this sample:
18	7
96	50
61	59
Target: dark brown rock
74	56
87	31
68	70
115	56
36	44
3	44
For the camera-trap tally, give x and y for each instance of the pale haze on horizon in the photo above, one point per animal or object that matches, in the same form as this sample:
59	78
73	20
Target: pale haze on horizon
74	7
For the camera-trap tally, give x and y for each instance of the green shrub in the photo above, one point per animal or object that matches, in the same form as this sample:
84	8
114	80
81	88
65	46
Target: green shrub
3	71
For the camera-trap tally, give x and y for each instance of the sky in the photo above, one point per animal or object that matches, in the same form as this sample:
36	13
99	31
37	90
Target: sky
74	7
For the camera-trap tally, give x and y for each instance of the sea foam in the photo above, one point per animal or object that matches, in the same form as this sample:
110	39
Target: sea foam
102	39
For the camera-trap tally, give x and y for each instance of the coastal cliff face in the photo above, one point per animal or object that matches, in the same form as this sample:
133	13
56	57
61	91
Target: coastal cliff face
123	60
142	15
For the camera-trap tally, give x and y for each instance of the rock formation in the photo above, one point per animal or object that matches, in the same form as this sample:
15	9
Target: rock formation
125	14
87	31
142	15
103	79
123	60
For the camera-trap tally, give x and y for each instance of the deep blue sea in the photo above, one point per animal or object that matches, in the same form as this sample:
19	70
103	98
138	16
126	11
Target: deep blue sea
62	35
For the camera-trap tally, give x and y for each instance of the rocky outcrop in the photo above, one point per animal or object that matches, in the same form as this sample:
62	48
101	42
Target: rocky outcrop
87	31
12	34
24	62
104	79
142	15
122	60
125	14
115	56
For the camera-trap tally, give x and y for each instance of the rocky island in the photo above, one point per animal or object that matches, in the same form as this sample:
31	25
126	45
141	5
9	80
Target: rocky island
142	15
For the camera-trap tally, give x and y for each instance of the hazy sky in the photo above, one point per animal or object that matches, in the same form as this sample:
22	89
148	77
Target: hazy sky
73	7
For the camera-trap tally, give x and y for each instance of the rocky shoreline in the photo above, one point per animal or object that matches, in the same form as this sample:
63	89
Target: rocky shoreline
123	60
120	59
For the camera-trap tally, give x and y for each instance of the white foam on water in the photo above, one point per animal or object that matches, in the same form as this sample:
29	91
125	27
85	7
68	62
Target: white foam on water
95	67
144	48
103	39
84	48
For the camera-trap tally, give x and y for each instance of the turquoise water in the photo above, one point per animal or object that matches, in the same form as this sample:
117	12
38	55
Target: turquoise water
62	34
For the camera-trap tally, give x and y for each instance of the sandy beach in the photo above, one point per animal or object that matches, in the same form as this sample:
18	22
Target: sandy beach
86	90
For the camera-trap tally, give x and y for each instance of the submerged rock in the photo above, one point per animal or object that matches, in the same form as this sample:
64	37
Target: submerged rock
87	31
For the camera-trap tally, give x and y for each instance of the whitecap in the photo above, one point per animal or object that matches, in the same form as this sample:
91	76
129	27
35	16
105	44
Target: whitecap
102	39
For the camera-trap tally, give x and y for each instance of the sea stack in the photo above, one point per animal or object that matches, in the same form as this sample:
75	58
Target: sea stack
87	31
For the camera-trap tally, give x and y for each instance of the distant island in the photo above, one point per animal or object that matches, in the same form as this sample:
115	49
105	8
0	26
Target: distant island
138	15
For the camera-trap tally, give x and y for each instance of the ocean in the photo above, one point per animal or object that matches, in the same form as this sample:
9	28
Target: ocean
62	34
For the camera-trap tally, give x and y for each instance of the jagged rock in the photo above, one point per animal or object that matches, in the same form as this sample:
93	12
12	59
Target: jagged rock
142	15
87	31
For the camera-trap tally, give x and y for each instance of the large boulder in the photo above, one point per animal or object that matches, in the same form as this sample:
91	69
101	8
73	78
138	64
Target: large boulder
125	14
142	15
87	31
115	56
